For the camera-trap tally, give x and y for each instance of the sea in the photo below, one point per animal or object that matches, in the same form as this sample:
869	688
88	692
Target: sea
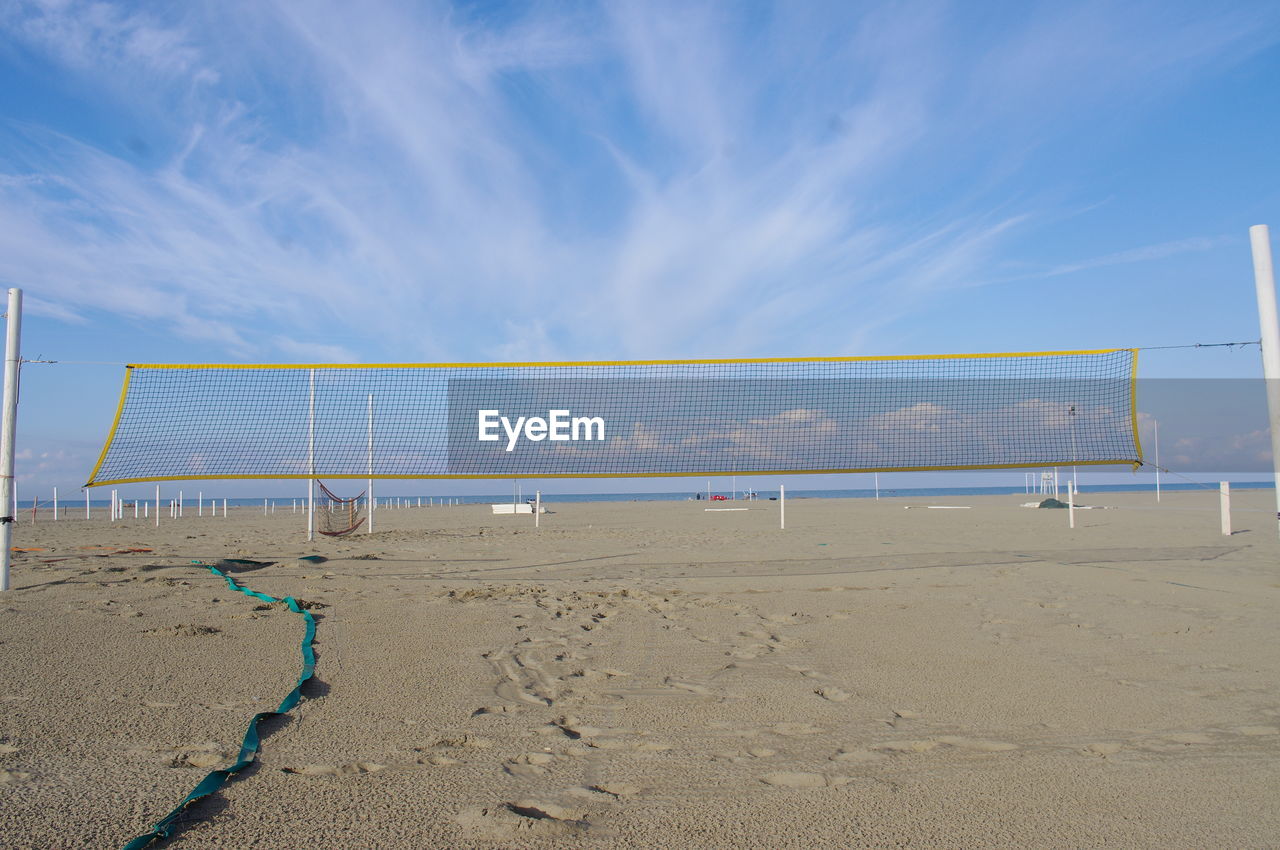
191	501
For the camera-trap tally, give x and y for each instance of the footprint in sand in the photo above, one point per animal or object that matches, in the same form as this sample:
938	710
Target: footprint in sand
976	744
529	764
616	790
795	729
691	687
803	780
904	747
353	769
1103	749
521	818
832	693
858	756
13	777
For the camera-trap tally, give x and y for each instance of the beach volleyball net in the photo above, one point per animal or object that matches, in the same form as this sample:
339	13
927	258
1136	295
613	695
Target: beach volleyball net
617	419
338	516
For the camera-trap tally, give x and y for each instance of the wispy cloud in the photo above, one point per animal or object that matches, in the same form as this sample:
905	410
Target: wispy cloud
1144	254
319	180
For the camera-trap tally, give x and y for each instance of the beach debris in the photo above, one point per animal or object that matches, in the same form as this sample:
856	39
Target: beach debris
1052	503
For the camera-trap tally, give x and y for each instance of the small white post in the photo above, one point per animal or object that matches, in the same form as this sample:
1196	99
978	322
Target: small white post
264	507
877	486
146	510
1156	425
224	508
200	497
86	503
135	508
157	506
179	503
708	490
1224	505
113	505
55	504
537	507
1071	504
782	505
1265	285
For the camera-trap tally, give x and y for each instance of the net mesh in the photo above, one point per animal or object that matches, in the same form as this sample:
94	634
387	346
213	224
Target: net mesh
338	516
623	419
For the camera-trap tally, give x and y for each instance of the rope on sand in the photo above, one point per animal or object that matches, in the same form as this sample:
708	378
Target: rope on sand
252	741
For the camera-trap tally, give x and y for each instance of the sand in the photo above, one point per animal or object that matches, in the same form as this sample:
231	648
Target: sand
657	675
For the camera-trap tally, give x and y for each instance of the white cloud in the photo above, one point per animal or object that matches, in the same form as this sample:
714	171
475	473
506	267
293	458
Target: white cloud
418	182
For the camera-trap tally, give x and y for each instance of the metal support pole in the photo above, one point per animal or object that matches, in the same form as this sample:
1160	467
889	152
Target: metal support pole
782	505
1264	279
157	506
311	460
537	507
1071	504
8	427
368	528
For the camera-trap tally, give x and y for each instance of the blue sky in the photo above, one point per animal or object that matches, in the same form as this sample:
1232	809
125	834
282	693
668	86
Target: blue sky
316	181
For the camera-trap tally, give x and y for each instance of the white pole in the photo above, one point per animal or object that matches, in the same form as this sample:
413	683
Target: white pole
782	505
368	529
86	503
1224	505
1156	424
8	428
708	489
200	496
877	486
224	508
146	510
1071	504
1055	482
1264	278
537	507
55	504
157	506
311	460
264	507
135	508
113	505
179	503
734	488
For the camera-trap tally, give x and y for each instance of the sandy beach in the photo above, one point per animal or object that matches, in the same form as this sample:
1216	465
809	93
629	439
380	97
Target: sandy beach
653	674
